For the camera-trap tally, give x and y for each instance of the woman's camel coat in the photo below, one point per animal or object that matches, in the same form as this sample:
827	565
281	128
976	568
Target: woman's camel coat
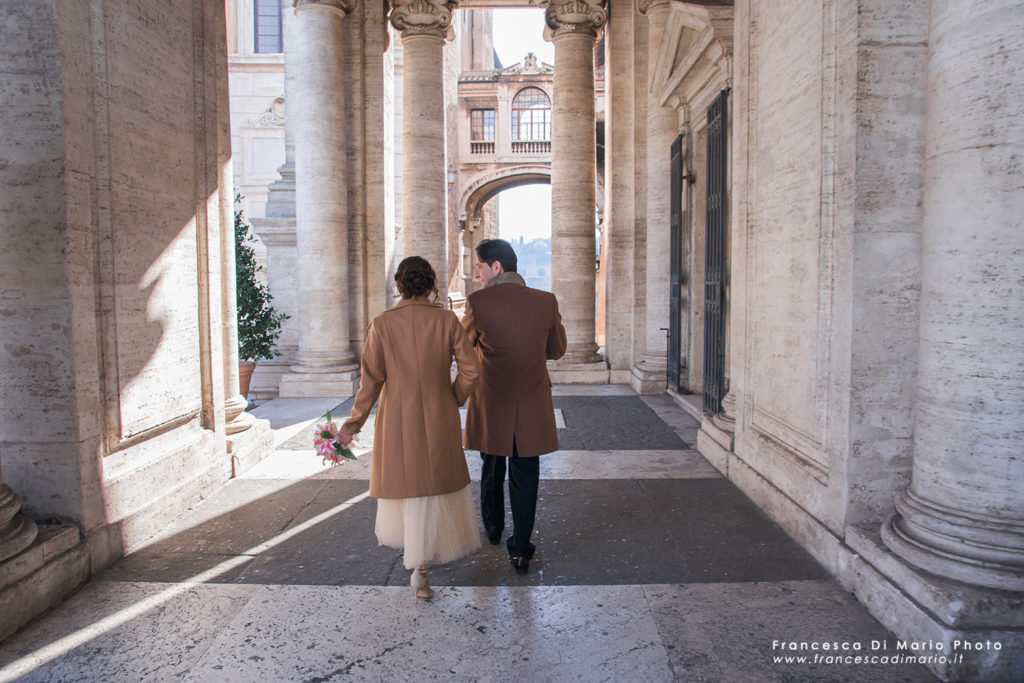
417	441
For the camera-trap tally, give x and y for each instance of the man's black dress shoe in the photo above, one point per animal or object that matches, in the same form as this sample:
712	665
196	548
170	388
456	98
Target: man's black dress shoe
520	564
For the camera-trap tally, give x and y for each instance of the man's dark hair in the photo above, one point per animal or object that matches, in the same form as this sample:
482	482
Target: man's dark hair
493	250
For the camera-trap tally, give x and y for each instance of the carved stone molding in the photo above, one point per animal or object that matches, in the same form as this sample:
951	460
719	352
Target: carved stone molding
587	17
345	6
647	6
272	116
424	17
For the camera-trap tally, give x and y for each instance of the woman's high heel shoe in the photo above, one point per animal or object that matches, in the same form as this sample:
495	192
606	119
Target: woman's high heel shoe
420	584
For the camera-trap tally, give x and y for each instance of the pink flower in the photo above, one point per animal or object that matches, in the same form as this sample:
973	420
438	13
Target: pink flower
325	442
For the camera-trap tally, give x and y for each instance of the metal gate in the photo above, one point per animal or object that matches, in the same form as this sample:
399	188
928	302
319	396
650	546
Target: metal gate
675	323
714	278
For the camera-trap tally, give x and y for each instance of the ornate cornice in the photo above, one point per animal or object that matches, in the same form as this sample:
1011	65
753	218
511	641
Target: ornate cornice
574	16
345	6
424	17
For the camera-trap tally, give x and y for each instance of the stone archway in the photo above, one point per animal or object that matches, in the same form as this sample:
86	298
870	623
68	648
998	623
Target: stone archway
477	192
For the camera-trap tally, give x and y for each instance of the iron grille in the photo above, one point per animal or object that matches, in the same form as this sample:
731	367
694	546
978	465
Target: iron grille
714	277
675	324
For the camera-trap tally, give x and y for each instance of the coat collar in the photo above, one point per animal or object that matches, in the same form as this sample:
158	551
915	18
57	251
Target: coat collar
507	279
415	301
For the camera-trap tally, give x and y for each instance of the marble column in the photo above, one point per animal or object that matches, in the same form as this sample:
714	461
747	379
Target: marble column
324	362
650	374
277	232
281	193
425	25
962	516
574	26
235	417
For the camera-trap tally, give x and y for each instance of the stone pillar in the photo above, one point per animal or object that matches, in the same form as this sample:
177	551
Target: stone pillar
277	232
425	25
650	374
324	360
963	514
235	417
281	193
573	26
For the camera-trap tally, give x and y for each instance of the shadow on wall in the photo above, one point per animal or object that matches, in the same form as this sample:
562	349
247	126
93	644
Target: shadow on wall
107	257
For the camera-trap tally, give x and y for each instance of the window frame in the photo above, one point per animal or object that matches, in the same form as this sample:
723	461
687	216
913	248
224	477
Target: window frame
486	128
532	119
260	40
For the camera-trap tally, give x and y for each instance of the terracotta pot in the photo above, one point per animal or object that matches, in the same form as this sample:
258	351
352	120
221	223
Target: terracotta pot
245	368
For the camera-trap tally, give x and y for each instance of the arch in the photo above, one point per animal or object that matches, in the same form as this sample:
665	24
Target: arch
484	186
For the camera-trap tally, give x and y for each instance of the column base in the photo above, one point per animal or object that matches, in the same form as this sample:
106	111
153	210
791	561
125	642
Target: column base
302	384
234	413
980	631
17	531
251	446
50	569
715	444
572	372
242	422
949	543
647	377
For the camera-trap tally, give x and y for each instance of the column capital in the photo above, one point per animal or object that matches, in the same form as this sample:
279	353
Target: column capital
586	17
345	6
652	6
424	17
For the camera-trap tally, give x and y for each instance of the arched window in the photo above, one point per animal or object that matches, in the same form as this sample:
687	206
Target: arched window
531	115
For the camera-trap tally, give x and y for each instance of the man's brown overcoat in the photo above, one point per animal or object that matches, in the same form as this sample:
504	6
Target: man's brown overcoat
515	330
407	360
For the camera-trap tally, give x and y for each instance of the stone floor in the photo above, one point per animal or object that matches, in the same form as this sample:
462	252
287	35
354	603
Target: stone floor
650	567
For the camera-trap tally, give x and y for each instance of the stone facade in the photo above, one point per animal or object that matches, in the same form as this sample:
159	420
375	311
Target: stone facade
119	364
871	195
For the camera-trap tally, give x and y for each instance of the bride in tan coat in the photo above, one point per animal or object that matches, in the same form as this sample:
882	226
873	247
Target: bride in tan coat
418	472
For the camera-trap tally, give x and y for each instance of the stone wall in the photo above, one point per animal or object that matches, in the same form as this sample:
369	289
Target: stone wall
828	251
625	104
111	365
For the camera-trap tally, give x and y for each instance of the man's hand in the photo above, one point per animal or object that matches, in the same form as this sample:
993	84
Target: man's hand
345	439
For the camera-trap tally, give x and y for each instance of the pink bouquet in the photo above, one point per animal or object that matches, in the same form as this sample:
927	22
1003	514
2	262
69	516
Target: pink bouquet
325	441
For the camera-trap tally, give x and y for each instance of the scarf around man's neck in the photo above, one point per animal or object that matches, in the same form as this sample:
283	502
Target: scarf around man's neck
506	279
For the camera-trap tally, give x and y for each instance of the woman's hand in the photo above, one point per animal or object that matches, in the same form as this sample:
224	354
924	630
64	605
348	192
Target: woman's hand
345	439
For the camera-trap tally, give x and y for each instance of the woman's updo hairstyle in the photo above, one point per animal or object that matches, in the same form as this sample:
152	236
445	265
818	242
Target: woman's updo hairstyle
415	277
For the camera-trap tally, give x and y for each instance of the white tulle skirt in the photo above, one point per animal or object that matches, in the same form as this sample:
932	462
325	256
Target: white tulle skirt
431	529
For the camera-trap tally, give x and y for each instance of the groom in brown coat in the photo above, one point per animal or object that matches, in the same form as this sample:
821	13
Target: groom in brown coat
510	418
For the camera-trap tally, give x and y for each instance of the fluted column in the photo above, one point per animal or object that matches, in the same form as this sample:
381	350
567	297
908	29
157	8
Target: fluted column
573	26
425	25
963	514
650	374
324	360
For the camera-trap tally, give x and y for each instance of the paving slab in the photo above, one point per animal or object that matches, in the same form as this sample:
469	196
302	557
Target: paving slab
614	423
381	634
735	631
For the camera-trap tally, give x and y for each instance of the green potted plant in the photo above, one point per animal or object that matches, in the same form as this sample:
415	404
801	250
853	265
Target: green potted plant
259	325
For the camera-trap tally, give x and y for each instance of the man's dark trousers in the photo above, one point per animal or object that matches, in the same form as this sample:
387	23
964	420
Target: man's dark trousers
523	477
